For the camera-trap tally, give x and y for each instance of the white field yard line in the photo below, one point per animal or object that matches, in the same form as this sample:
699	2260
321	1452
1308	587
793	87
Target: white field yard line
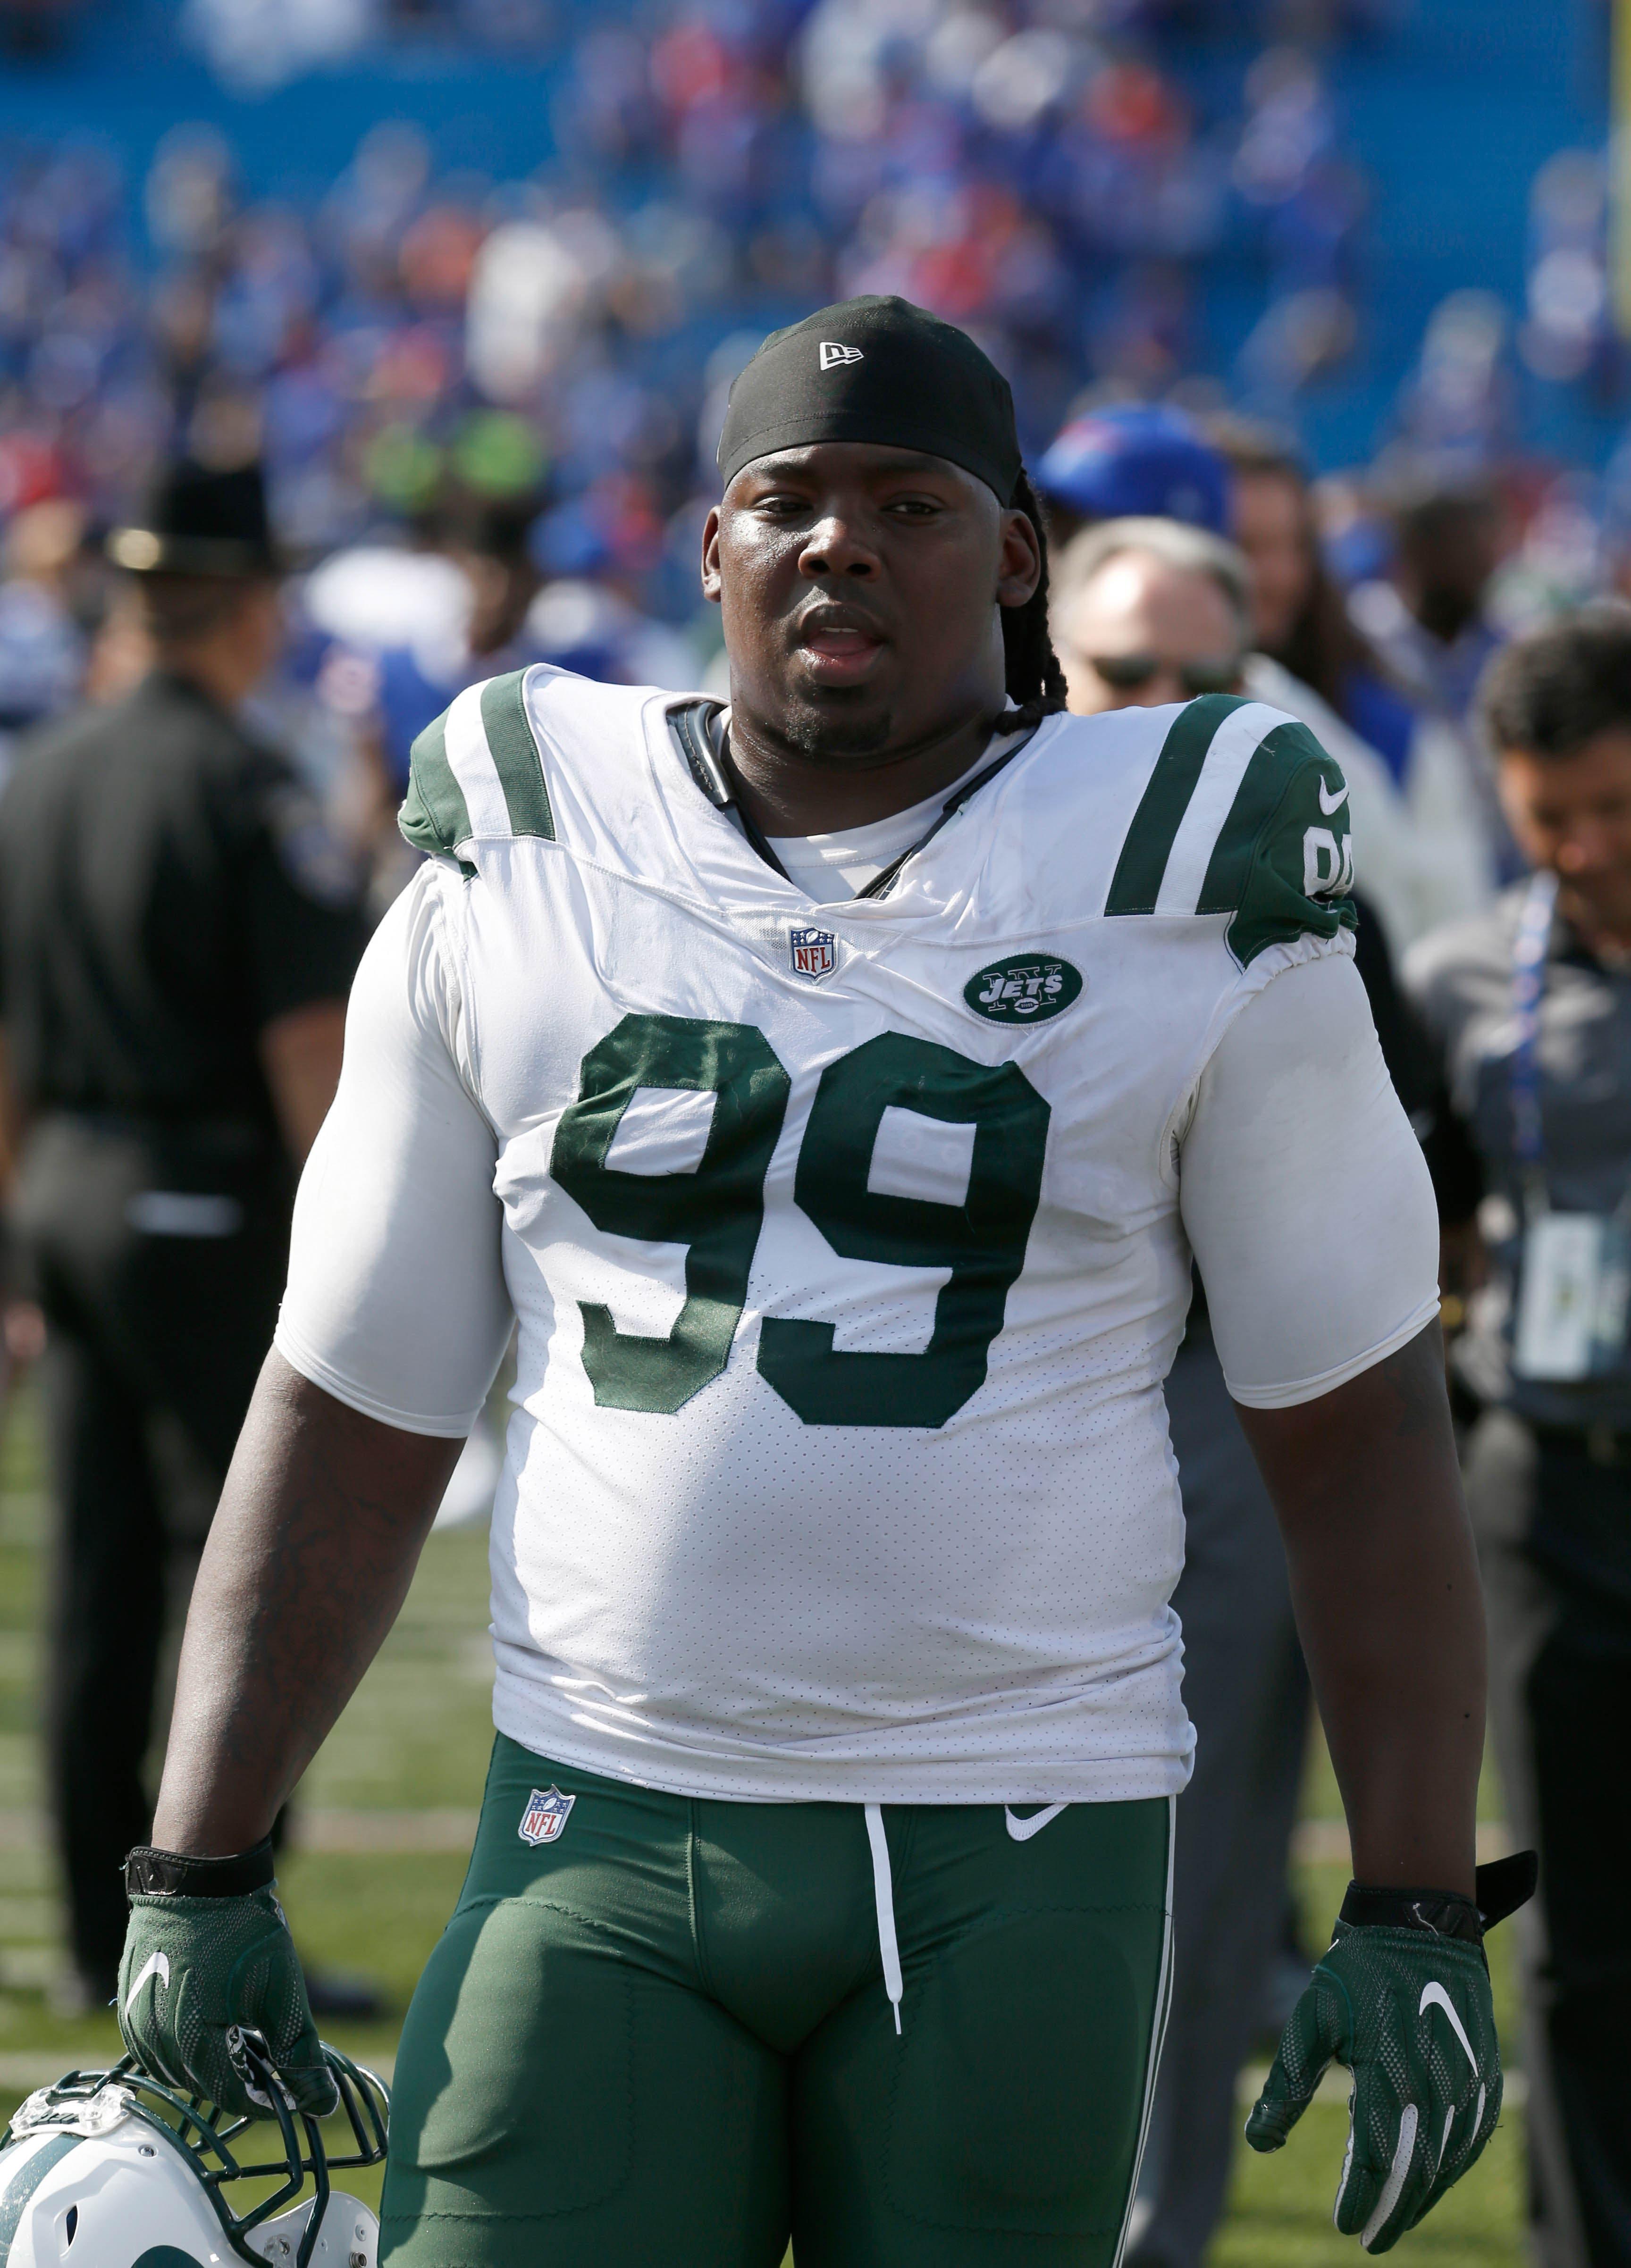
1316	1843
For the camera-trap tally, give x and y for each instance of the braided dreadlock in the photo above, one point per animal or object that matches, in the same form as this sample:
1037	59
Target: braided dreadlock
1035	681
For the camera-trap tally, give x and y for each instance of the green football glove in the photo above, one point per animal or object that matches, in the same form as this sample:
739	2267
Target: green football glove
208	1959
1407	2009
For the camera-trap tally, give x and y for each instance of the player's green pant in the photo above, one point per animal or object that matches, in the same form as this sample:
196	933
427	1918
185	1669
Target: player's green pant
663	2039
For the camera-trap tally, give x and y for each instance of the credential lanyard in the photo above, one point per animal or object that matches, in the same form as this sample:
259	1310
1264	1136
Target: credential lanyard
1529	984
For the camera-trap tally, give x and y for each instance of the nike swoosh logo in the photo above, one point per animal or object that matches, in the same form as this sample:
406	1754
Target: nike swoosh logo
1022	1829
1392	2189
1334	803
156	1964
1433	1996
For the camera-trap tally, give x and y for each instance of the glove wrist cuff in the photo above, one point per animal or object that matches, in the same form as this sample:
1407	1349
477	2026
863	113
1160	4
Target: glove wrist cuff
1439	1913
1499	1888
149	1872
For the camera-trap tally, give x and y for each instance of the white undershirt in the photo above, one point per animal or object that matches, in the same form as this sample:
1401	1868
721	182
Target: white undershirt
831	868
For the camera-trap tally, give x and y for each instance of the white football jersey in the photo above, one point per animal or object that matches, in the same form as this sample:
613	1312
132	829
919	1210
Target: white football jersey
844	1242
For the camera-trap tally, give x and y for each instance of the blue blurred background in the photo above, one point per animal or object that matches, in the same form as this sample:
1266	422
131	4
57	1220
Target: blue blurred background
375	218
516	249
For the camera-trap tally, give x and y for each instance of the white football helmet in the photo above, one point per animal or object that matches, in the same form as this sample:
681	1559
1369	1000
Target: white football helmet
108	2170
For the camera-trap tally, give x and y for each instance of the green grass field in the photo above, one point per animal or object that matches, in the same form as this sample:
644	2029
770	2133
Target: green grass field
378	1862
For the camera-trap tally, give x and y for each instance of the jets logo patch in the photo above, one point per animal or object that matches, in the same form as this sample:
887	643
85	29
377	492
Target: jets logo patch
545	1816
1026	988
812	953
832	355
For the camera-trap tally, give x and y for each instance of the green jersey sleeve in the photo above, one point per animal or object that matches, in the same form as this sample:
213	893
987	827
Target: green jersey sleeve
496	749
433	817
1244	814
1283	863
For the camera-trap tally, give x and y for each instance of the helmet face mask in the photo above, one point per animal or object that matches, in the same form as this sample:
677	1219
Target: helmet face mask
113	2169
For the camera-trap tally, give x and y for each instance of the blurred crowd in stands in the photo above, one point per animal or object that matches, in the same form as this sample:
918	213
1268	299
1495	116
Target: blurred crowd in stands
487	410
1053	183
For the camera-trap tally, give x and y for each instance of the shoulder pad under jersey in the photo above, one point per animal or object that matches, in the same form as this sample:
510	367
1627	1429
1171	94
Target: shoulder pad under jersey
1244	814
435	816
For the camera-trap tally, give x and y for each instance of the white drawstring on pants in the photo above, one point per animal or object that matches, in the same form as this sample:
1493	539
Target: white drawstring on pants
884	1891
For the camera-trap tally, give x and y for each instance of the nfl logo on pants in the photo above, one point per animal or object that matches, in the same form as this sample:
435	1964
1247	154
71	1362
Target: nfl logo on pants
545	1815
813	953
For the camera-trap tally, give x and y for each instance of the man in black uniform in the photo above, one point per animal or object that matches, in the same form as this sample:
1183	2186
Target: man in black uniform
1529	1005
177	937
1177	617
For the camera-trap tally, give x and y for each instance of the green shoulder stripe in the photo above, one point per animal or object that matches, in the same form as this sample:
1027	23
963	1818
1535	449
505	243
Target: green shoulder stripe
1136	884
433	817
515	756
1283	862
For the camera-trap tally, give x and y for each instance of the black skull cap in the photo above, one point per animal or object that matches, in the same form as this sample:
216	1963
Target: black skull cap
875	370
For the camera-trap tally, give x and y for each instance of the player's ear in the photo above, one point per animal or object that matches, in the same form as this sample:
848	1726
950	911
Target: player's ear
712	584
1019	560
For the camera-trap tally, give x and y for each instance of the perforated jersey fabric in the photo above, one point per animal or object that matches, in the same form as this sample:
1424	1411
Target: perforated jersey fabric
850	1244
193	1970
1410	2014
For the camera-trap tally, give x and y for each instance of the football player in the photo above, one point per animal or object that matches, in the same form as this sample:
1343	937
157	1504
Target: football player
835	1087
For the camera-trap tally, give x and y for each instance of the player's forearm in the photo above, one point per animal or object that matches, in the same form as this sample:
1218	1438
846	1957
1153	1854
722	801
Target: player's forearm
309	1558
1386	1590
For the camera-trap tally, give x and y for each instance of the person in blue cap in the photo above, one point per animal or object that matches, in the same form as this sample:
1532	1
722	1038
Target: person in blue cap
1133	460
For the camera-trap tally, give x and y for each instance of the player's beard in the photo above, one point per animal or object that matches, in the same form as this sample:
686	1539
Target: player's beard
821	737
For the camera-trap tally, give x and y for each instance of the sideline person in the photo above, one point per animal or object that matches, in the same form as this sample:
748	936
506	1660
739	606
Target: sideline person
836	1088
1300	612
1129	459
1313	659
177	937
1531	1006
1178	604
1428	619
1147	612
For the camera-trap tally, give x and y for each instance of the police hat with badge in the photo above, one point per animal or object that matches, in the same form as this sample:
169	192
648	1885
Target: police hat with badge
200	519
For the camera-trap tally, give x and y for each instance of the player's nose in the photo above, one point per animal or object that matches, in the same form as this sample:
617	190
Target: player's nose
836	547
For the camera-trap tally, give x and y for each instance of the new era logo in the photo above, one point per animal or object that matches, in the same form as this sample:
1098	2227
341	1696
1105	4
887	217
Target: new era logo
832	355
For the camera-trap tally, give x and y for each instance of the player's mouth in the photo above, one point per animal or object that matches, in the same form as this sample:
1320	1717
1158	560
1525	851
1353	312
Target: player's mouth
838	645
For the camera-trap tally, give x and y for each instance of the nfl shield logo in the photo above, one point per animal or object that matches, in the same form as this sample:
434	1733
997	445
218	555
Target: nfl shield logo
545	1815
813	952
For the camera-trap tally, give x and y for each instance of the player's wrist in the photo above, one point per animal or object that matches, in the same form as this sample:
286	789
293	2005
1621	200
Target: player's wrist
152	1872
